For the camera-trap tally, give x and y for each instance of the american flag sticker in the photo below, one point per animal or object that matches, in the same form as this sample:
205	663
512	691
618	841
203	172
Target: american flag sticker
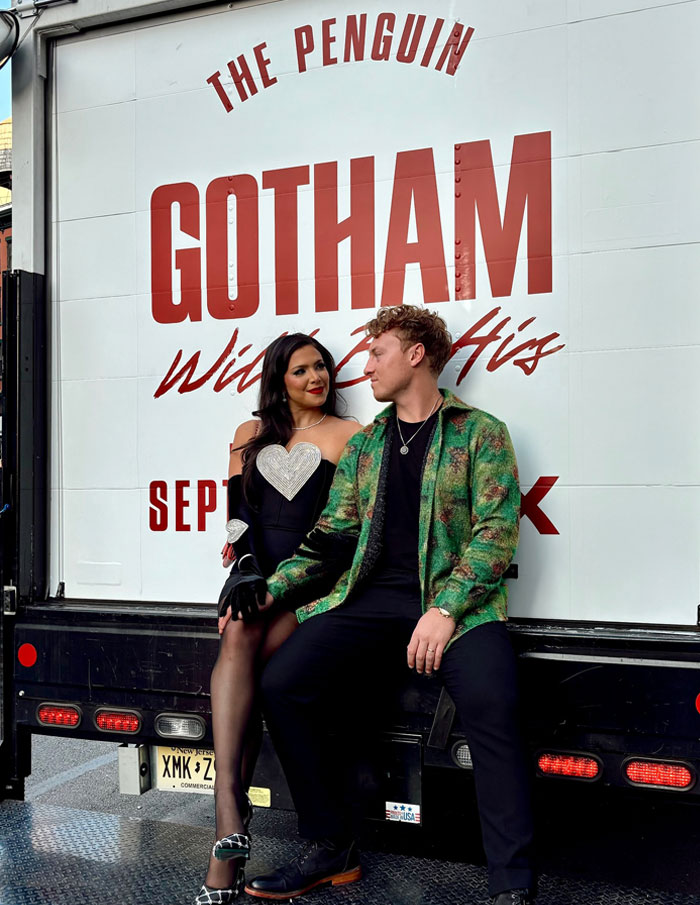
403	813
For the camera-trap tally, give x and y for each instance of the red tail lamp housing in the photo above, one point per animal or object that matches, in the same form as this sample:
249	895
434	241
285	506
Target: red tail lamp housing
118	721
660	774
570	765
67	715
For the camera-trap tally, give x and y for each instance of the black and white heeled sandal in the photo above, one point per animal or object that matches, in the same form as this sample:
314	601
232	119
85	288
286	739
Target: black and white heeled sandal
209	895
235	845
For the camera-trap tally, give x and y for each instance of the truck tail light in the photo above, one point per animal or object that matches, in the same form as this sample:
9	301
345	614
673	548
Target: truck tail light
660	774
174	725
576	766
462	756
118	720
58	715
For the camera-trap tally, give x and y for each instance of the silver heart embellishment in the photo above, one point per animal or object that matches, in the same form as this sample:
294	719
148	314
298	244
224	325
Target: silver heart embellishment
288	471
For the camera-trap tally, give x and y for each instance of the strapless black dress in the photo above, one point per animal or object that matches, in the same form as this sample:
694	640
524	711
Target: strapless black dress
280	524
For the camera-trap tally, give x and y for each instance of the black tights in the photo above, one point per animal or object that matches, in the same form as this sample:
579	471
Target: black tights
236	723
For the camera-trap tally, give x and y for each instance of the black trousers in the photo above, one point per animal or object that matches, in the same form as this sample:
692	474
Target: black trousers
337	669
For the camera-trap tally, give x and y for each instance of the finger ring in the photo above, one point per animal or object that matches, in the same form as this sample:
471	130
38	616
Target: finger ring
431	650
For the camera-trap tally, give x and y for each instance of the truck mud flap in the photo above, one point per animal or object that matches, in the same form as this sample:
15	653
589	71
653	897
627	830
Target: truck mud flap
442	722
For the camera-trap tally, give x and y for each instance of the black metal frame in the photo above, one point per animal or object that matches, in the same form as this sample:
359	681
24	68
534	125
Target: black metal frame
25	436
25	476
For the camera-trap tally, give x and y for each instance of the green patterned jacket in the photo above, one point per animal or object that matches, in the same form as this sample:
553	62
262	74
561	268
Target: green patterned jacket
468	528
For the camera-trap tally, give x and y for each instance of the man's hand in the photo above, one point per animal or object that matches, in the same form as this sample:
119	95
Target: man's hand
431	634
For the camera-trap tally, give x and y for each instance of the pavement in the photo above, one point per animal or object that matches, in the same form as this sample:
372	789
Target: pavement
75	839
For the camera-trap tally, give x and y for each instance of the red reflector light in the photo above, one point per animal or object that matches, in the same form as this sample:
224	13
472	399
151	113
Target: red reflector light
650	773
118	721
58	715
578	766
27	654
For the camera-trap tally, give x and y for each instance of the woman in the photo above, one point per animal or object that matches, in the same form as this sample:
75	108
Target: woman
280	471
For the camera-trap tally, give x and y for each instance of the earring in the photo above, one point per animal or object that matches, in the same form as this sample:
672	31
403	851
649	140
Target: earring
284	397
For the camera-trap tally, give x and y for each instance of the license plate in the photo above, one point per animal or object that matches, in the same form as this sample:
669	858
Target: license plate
192	770
185	769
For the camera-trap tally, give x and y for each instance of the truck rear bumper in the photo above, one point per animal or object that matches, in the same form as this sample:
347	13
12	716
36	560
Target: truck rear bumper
612	693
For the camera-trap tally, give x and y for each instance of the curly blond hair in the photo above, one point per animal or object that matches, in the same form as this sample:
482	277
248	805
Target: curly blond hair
415	325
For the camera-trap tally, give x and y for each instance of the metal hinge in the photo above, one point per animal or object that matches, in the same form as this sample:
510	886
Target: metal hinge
9	600
26	8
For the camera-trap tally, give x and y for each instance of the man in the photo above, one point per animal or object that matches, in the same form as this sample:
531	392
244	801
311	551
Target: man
420	526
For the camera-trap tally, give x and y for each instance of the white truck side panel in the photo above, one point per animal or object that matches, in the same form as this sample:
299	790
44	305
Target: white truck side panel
612	414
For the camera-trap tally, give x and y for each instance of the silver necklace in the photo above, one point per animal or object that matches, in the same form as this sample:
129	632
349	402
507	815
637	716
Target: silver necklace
309	426
404	449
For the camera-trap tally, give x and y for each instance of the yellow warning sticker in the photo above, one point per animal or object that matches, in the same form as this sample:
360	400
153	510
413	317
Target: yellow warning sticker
261	798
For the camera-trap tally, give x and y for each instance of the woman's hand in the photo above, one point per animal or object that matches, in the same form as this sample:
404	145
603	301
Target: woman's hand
228	556
224	620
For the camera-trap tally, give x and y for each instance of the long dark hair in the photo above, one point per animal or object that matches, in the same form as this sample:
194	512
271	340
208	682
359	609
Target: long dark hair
277	424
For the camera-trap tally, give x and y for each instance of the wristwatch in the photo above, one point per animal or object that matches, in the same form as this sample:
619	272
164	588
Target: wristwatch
443	612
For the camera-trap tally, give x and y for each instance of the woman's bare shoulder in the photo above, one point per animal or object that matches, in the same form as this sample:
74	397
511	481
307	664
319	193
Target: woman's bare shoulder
245	431
339	432
345	429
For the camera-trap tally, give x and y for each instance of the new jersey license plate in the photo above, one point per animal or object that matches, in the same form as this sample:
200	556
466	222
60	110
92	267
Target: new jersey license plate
185	769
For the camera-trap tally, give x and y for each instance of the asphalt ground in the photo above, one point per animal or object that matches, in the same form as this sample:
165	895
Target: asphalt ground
585	834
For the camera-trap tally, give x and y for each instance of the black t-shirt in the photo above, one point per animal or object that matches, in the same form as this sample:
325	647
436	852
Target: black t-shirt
398	563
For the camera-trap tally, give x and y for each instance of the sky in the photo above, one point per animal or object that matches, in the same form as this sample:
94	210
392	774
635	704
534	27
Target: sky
5	90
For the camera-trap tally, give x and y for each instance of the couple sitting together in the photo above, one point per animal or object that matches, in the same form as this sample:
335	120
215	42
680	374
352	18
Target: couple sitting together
358	554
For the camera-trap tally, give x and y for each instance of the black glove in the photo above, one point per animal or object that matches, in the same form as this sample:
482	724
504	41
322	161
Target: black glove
245	589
